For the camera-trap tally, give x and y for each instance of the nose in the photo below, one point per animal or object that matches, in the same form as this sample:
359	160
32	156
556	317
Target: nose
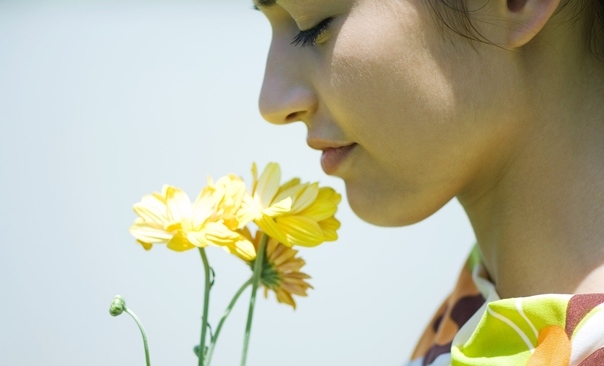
286	94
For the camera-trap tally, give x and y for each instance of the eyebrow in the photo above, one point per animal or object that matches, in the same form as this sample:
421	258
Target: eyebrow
264	3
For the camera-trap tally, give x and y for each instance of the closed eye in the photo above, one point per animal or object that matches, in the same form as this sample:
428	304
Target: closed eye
310	36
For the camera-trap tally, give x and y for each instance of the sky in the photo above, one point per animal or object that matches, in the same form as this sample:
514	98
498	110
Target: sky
102	102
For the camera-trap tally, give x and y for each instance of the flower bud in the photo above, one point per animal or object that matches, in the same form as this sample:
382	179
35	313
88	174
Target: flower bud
118	305
197	349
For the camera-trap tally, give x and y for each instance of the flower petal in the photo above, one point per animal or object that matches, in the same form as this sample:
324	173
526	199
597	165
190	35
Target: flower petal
147	246
329	227
267	186
203	208
149	232
284	297
301	230
279	208
179	204
328	193
290	183
270	227
306	197
283	257
319	210
214	233
151	208
243	248
179	243
292	191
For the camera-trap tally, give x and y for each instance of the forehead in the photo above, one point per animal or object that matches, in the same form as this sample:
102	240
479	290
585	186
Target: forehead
302	8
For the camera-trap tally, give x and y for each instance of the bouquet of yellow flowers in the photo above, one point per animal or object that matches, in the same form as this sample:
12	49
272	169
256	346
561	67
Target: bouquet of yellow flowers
285	215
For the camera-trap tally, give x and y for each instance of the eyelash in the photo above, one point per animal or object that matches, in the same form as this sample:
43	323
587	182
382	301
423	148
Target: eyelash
309	37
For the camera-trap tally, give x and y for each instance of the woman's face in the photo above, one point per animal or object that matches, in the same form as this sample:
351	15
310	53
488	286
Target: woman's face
408	117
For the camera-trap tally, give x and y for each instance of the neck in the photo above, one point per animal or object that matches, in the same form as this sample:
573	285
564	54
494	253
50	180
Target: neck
540	224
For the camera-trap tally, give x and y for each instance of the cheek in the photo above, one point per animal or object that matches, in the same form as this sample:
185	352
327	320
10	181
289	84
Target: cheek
427	115
384	87
392	80
414	107
394	105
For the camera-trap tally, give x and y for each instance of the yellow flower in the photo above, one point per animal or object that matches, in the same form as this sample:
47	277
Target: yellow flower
213	219
293	213
281	271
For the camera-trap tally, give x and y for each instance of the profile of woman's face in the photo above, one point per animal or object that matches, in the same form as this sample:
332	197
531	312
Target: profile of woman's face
407	117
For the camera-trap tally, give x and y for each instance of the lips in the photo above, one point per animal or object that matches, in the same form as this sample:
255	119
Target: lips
334	157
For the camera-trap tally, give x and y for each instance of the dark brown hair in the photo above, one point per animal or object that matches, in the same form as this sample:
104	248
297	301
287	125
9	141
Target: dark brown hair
455	15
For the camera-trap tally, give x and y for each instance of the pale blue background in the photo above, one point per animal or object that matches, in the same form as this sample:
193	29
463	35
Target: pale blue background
103	102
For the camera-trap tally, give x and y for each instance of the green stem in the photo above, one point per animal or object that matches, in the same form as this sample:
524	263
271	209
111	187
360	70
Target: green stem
206	305
255	282
222	320
140	326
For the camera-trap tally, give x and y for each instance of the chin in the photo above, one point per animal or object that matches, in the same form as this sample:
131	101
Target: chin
388	210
